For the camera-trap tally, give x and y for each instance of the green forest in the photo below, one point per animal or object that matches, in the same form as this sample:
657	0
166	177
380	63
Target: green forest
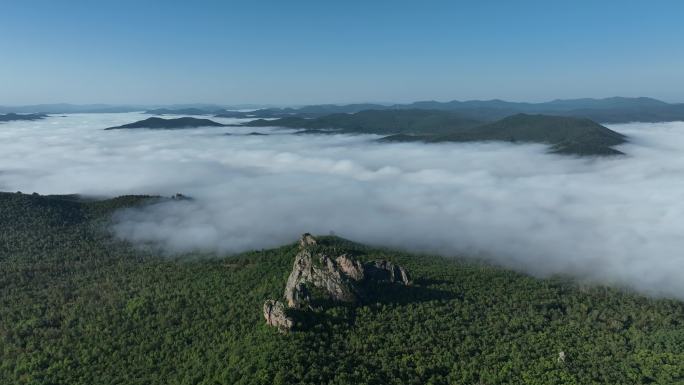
565	135
78	306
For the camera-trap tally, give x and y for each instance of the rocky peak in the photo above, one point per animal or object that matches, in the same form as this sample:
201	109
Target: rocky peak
307	240
335	276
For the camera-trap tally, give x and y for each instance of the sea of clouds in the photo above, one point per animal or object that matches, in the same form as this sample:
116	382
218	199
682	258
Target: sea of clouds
618	220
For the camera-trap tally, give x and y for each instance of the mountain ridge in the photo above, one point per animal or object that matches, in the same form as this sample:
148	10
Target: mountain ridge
609	110
566	135
168	124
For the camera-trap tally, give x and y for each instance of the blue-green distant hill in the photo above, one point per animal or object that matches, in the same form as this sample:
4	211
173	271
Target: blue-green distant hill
608	110
378	122
566	135
168	124
13	117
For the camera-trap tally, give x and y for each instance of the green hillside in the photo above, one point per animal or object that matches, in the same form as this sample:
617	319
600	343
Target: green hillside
78	307
168	124
378	122
13	117
566	135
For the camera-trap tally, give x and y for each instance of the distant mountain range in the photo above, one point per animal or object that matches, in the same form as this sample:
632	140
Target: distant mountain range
567	135
608	110
381	122
184	111
65	108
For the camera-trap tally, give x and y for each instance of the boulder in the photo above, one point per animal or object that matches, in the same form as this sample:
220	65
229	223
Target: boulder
274	312
561	357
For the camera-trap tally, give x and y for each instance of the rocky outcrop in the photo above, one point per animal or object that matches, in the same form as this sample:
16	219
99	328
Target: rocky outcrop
561	357
307	240
318	271
388	271
336	277
350	267
274	312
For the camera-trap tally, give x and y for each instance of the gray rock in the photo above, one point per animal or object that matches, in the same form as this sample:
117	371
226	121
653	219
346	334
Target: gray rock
350	267
561	357
274	312
307	240
337	277
388	271
319	271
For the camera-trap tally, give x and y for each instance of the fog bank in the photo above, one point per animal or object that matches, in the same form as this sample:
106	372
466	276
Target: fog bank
615	220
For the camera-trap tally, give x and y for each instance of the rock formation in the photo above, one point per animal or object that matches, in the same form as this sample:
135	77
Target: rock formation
335	277
388	271
307	240
350	267
561	357
274	312
319	271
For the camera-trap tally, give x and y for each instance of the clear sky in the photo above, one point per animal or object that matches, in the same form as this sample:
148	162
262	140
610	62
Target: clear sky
295	52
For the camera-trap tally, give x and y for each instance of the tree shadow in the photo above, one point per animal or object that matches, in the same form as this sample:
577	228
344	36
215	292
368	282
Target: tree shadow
398	294
326	315
430	281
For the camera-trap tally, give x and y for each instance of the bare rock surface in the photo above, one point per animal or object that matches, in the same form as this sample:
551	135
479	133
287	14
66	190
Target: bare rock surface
388	271
274	312
351	267
319	271
336	277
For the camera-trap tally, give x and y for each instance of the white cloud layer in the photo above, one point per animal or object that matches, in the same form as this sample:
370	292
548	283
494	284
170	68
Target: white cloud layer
617	220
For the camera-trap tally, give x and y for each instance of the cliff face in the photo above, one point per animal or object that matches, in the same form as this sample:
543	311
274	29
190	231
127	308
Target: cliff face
274	312
336	277
319	271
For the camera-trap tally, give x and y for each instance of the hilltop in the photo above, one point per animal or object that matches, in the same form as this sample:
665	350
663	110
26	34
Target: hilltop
377	122
167	124
79	306
567	135
12	117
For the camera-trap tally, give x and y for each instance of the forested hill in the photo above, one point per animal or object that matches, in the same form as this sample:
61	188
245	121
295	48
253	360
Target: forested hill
168	124
78	307
378	122
12	117
567	135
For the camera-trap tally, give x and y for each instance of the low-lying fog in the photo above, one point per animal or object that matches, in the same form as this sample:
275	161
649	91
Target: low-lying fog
619	220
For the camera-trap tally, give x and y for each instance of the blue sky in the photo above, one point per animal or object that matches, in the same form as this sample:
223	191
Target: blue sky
296	52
